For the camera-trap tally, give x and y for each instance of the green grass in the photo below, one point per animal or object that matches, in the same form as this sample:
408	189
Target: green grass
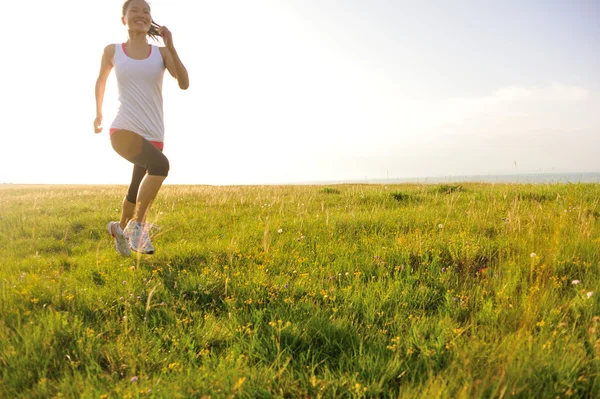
305	291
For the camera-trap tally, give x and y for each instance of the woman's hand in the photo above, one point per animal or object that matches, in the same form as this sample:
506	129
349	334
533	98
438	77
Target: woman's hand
171	59
98	124
167	37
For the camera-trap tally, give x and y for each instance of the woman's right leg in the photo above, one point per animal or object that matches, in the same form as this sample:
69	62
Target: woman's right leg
132	193
142	153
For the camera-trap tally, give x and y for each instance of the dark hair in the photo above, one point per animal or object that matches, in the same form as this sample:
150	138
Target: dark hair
153	32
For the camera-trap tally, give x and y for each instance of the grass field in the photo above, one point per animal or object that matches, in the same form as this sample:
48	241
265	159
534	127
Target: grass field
304	291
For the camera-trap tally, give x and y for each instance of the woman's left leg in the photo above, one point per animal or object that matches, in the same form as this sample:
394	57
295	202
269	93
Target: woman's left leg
148	190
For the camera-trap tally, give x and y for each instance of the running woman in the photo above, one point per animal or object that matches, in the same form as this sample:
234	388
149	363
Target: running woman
137	132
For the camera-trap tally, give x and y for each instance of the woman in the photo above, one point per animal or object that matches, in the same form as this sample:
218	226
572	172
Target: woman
137	132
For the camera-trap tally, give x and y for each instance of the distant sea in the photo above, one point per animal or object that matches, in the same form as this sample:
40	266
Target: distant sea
526	178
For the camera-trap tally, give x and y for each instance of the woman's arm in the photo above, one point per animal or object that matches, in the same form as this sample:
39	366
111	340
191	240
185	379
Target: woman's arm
172	60
106	66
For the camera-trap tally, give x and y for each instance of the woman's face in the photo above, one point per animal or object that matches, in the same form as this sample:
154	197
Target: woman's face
137	17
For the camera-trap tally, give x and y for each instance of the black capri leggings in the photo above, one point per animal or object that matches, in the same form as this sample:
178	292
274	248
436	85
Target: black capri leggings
144	156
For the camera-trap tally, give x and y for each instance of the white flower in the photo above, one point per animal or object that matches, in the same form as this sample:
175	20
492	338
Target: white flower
440	226
280	231
589	294
575	282
533	255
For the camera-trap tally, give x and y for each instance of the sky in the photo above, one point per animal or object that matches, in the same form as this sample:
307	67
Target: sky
293	91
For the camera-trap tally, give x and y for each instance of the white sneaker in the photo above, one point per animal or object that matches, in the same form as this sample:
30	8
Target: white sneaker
121	243
138	236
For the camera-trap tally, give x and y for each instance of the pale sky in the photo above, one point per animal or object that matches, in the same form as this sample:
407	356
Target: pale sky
286	91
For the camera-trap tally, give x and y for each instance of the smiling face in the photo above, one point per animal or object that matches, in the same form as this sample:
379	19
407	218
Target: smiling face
136	15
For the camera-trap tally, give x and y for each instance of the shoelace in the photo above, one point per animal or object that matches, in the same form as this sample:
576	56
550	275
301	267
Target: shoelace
146	228
153	226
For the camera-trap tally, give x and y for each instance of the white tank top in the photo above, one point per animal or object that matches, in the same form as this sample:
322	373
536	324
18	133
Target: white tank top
140	94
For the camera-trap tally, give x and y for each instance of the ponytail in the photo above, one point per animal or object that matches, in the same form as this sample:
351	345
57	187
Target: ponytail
153	32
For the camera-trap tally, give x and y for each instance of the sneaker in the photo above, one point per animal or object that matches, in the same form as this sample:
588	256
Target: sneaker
121	243
138	236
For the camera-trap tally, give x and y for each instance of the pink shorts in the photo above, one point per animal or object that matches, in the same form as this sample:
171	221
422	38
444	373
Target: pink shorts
158	144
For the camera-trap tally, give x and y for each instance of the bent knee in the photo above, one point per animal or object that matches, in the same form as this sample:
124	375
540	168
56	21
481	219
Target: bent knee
160	168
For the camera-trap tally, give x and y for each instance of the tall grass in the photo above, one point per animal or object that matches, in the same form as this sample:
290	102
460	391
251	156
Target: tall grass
304	291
